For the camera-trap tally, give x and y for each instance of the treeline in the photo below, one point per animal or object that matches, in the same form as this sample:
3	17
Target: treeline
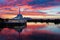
56	21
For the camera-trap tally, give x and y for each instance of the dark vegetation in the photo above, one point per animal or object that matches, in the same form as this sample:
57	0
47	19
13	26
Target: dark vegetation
56	21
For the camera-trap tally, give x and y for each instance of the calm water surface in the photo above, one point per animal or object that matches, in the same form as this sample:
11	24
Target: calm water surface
34	31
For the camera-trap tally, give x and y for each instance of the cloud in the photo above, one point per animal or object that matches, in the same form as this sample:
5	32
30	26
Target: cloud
36	3
44	3
32	5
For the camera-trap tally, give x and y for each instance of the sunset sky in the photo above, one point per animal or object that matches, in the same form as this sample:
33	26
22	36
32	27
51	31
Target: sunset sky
29	7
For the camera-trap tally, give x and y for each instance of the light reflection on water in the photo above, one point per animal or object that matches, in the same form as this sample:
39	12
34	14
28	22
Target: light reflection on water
49	27
27	35
52	28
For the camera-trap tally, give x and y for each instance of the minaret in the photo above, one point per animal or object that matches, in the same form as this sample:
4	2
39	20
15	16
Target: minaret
19	16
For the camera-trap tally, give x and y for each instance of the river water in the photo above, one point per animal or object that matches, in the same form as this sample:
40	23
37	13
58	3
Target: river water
51	27
33	31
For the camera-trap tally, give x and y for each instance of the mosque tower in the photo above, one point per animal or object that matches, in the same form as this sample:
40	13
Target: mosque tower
19	16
